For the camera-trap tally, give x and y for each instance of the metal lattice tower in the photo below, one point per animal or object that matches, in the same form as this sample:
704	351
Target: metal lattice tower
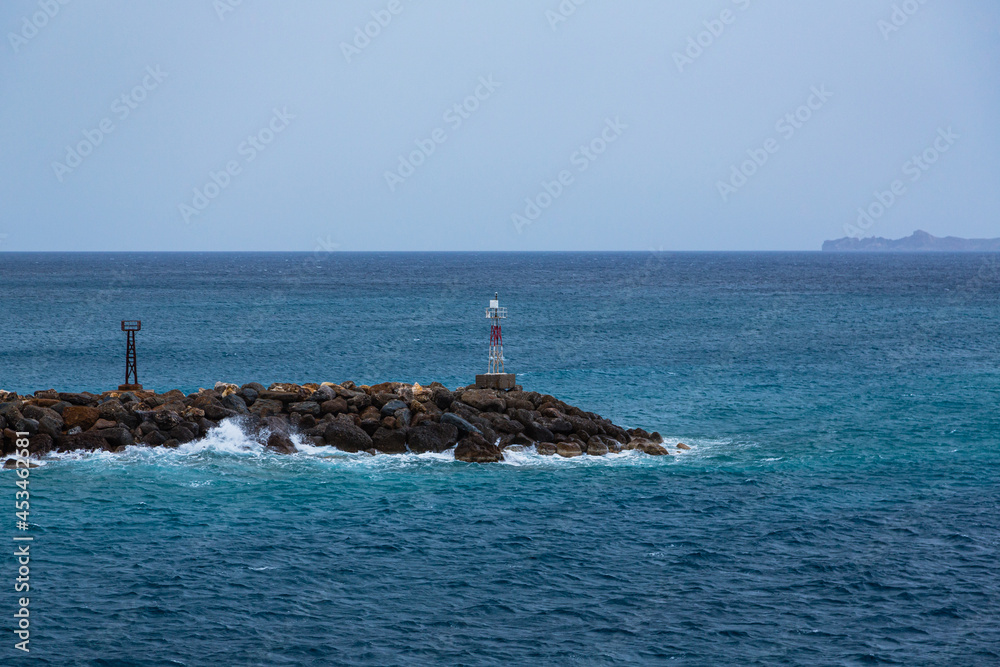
130	327
495	313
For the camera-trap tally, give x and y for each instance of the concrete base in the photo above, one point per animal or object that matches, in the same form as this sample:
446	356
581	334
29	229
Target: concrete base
495	381
130	387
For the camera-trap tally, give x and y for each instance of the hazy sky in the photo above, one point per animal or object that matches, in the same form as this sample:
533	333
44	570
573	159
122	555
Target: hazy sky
513	125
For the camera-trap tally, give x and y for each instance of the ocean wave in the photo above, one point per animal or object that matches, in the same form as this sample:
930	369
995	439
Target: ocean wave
228	441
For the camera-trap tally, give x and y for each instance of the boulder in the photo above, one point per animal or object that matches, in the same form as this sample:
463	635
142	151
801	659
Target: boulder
182	434
559	425
234	402
248	394
51	425
474	449
40	444
347	437
25	425
153	439
263	407
538	433
280	396
80	415
84	398
596	447
568	449
118	437
432	437
102	424
305	408
681	445
337	406
484	400
88	441
281	443
463	426
389	441
442	397
166	420
389	407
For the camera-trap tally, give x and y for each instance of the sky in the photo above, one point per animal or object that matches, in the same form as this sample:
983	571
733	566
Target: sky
518	125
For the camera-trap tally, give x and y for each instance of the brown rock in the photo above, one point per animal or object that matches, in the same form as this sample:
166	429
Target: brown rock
485	400
347	437
568	449
546	448
390	441
264	407
101	424
80	415
681	445
281	443
335	406
431	437
596	447
474	449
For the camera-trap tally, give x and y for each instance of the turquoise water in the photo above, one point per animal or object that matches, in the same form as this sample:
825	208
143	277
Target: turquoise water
839	505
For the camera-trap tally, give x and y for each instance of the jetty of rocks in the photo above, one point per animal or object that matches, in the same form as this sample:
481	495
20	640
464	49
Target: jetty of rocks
387	418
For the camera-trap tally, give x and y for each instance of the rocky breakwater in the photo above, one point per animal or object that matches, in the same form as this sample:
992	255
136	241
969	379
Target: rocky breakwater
386	418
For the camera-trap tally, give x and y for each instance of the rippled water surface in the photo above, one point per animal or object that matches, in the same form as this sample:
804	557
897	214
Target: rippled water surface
839	505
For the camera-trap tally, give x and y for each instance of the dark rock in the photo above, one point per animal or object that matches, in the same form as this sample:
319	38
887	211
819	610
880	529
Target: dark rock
281	396
347	437
281	443
390	441
88	441
323	394
38	412
442	397
153	439
559	426
502	423
307	422
84	398
102	424
391	406
402	417
305	408
484	400
474	449
263	407
25	425
432	437
248	394
51	425
40	444
80	415
335	406
181	434
166	420
235	403
463	426
538	433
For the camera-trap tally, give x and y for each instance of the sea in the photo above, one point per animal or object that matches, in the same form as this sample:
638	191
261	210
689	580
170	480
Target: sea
839	505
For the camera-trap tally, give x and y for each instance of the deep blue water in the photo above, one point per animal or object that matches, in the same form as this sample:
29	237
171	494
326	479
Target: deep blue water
840	505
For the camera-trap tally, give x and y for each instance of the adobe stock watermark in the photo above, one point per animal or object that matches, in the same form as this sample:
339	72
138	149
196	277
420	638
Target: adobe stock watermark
581	159
900	16
454	116
30	25
786	126
714	28
363	35
223	7
248	150
562	12
122	108
913	169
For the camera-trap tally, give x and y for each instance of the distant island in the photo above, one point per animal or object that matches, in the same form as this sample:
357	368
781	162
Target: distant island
919	241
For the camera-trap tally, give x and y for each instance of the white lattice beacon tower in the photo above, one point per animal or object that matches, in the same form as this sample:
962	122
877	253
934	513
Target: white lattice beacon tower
496	378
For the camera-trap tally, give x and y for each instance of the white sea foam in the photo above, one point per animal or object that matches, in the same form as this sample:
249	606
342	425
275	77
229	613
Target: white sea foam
228	440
